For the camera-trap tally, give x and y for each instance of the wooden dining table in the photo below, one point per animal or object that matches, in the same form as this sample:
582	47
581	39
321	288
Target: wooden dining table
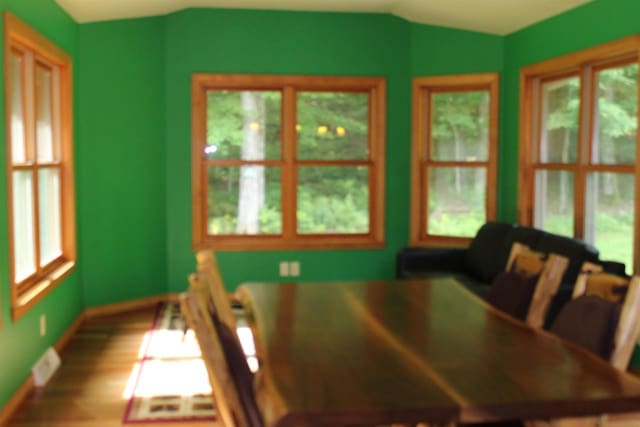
382	352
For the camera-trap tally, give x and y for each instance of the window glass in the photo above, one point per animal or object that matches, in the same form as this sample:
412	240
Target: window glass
454	150
559	125
244	200
579	146
554	202
460	126
23	225
243	124
49	208
333	200
44	114
41	208
296	164
18	152
610	214
332	125
457	197
615	118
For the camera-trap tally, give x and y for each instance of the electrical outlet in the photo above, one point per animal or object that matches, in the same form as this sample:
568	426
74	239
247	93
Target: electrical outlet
43	325
284	269
294	268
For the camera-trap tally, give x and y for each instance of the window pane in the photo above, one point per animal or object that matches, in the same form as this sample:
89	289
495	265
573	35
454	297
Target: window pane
457	197
615	118
333	200
559	127
18	153
49	215
333	126
243	124
244	200
609	215
460	126
23	230
554	202
44	122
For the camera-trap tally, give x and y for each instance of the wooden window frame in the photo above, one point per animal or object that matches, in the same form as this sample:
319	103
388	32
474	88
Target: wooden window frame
19	37
421	161
288	85
584	64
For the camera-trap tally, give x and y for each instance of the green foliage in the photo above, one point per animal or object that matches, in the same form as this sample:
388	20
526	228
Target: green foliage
226	119
615	121
344	209
460	123
461	224
331	126
613	234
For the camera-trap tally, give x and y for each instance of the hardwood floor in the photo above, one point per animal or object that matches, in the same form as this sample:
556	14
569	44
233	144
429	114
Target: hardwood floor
87	390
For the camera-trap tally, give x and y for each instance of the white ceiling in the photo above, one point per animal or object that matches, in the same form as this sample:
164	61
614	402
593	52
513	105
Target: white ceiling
489	16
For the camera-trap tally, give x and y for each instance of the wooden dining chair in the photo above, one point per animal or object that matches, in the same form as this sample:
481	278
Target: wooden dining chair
528	284
612	289
603	316
209	274
231	382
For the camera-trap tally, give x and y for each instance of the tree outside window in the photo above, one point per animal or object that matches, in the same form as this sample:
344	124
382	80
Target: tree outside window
287	161
578	148
454	157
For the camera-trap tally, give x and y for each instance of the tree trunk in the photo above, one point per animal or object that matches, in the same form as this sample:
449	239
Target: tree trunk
564	185
251	195
610	180
457	147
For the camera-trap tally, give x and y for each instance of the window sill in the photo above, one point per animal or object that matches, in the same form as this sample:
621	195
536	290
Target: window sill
438	241
317	243
25	301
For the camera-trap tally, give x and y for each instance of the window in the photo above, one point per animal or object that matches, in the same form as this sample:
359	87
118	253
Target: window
287	161
578	148
454	154
40	168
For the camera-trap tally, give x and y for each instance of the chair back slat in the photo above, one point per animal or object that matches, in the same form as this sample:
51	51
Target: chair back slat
545	270
621	290
628	329
226	391
546	288
209	274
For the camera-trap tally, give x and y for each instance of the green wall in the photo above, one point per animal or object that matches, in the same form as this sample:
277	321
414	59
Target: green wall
121	160
439	50
20	341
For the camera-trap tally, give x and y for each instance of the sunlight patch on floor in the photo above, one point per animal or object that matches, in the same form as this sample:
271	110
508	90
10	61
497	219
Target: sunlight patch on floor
169	363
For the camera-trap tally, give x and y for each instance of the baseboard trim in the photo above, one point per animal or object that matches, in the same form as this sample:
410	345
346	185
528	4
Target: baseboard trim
16	400
7	411
69	333
131	305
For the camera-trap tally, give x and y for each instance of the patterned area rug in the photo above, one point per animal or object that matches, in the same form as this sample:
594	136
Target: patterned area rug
169	382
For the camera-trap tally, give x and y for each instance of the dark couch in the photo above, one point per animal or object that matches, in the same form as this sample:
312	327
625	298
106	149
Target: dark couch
476	266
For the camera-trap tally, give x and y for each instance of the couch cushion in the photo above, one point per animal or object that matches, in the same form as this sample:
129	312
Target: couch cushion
577	251
512	292
488	252
590	322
